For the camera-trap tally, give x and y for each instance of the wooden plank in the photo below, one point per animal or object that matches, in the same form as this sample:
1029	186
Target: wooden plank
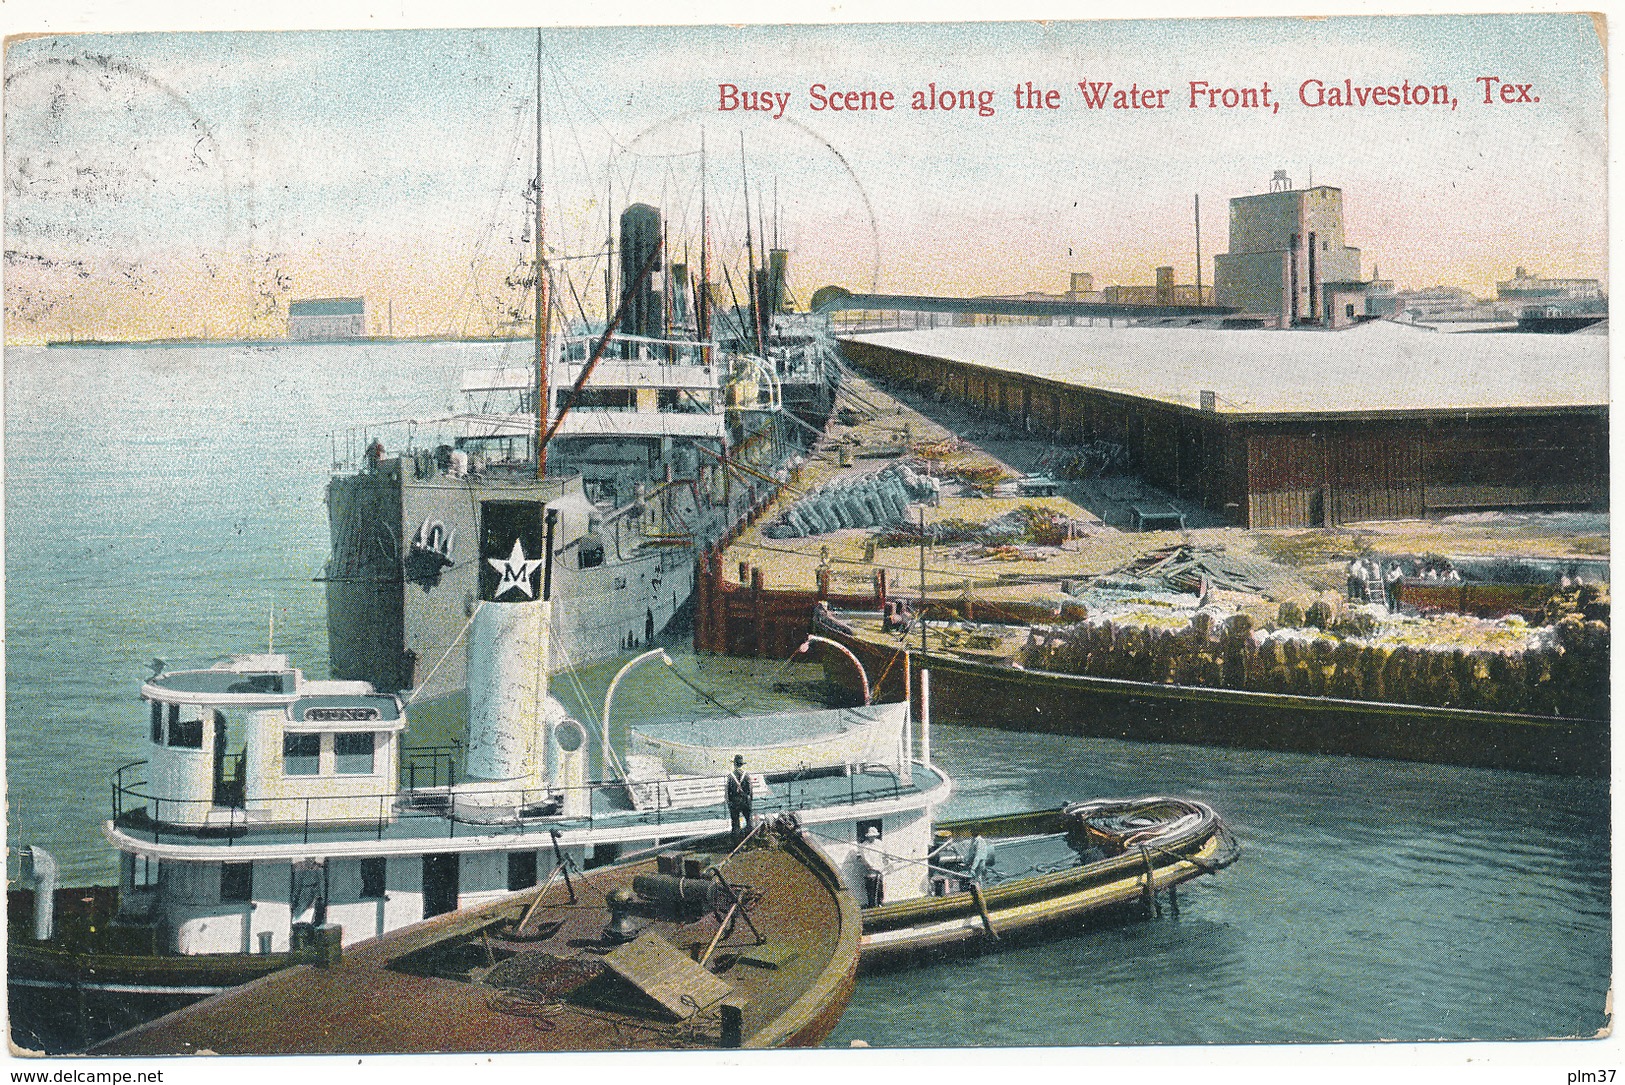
1281	508
656	968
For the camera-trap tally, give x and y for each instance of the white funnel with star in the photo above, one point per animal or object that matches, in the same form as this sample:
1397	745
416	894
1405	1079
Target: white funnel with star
509	711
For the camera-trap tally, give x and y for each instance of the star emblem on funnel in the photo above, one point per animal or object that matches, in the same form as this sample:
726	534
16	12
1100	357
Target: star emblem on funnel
516	572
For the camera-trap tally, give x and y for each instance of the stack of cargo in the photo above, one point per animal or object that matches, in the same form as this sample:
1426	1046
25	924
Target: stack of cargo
1450	661
864	501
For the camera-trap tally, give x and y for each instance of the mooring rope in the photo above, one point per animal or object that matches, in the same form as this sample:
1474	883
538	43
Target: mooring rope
443	655
677	674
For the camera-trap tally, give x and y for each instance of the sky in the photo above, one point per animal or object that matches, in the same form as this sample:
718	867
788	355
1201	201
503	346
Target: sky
193	183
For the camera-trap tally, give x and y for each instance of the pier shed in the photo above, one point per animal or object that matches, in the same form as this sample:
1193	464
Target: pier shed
1293	428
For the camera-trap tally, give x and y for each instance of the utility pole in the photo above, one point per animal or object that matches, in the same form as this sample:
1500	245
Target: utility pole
1198	198
922	582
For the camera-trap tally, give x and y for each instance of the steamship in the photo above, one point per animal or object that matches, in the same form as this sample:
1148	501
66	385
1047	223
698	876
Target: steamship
658	437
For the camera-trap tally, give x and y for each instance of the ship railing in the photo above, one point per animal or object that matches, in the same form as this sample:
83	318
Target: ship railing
576	349
430	766
347	445
447	808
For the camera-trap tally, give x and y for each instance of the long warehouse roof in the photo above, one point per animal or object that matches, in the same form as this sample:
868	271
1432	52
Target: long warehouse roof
1378	366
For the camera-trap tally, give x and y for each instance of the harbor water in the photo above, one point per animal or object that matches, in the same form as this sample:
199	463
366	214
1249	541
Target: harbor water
168	503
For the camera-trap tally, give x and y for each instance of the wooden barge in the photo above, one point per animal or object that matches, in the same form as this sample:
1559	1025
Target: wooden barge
755	947
1020	877
982	693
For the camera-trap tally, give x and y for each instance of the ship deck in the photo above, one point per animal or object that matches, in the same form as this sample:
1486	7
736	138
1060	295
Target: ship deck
424	820
486	980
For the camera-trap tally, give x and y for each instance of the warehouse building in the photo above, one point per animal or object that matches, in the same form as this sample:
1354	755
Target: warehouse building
1292	429
327	318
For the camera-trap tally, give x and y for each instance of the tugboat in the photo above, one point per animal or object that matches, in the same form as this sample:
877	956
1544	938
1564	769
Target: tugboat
275	814
278	820
733	945
325	830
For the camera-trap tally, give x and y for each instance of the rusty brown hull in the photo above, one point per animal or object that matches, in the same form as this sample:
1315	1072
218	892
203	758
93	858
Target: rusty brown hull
475	981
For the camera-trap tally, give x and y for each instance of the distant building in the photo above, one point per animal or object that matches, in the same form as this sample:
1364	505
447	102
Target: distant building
327	318
1343	304
1284	245
1381	299
1447	305
1083	287
1163	292
1530	295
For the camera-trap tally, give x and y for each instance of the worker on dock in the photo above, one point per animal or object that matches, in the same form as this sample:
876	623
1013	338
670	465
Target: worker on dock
1391	581
1357	579
740	795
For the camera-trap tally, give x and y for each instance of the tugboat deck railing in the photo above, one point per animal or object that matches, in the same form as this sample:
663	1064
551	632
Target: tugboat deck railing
443	811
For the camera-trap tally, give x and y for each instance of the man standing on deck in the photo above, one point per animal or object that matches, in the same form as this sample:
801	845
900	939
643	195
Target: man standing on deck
874	869
740	793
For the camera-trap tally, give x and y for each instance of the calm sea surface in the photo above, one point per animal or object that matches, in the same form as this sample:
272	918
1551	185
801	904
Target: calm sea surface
167	502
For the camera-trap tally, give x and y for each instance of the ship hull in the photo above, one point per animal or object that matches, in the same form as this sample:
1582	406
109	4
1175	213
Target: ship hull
402	579
1052	898
412	991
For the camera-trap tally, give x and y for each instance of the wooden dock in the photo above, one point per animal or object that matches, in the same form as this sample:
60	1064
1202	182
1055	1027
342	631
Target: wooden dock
756	596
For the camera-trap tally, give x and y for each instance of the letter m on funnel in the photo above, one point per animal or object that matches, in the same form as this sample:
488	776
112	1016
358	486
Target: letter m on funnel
512	551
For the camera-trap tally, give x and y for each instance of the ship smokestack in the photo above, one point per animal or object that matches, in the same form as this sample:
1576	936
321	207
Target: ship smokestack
778	269
640	237
508	707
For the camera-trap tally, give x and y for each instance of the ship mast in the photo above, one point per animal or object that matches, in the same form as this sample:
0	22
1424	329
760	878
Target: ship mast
702	310
541	314
750	256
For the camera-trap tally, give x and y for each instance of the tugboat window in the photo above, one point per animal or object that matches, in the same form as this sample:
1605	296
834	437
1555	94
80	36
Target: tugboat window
590	551
521	870
236	883
352	753
372	878
301	755
187	734
158	722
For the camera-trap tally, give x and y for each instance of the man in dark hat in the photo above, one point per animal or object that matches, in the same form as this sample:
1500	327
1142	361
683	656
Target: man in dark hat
874	869
739	798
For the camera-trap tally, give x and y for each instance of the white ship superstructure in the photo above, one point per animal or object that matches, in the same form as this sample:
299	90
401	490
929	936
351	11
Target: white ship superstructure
271	805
